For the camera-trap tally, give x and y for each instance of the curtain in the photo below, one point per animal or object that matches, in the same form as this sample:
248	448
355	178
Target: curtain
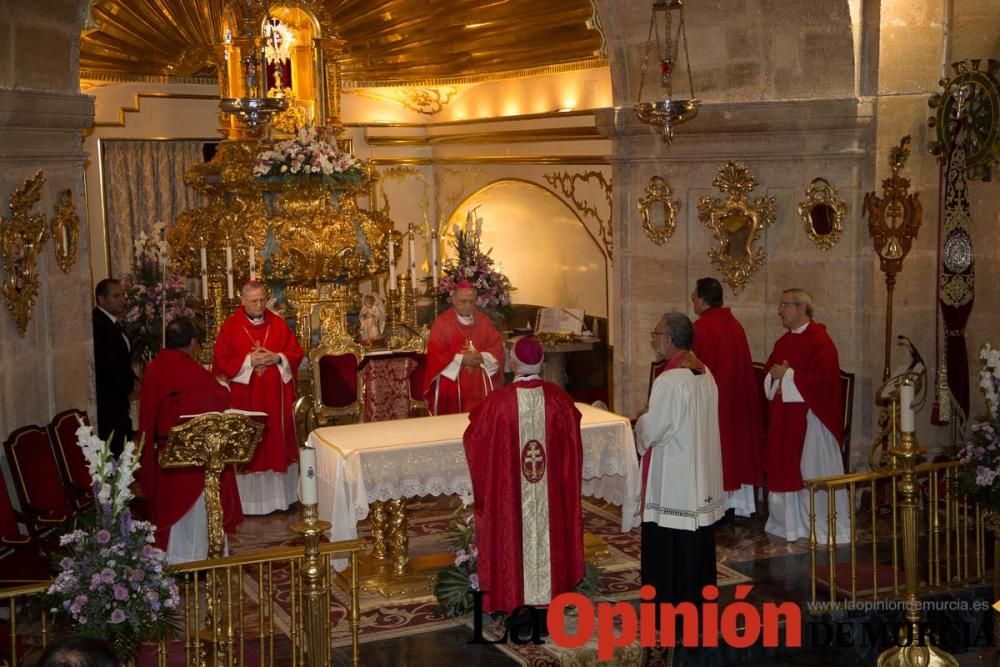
143	184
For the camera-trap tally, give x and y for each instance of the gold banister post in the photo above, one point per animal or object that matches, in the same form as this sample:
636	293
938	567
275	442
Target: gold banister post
315	591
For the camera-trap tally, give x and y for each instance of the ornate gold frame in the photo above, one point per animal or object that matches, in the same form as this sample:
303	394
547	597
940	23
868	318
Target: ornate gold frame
821	193
21	239
65	231
659	191
735	181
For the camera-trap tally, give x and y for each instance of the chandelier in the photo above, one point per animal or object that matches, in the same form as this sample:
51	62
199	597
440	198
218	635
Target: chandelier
667	112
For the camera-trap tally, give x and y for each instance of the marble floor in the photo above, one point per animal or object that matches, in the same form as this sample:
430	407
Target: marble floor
779	570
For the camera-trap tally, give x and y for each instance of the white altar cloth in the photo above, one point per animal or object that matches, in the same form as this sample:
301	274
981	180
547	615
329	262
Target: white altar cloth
358	464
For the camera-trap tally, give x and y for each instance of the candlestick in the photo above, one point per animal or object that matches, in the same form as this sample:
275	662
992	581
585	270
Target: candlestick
413	261
434	260
229	271
204	274
392	262
307	476
906	416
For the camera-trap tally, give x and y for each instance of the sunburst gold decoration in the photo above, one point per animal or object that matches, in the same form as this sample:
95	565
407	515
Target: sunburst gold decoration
389	43
21	239
736	224
65	231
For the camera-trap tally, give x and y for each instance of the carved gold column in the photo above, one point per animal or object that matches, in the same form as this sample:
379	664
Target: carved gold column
315	592
399	541
918	651
378	517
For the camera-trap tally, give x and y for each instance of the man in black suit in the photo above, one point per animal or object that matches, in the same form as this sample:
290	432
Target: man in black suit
112	365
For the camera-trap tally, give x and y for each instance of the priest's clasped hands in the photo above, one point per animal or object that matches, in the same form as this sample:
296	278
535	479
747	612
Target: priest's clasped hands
472	359
778	370
261	357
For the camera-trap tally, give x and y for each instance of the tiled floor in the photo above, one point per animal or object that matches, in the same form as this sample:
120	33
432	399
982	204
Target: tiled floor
780	572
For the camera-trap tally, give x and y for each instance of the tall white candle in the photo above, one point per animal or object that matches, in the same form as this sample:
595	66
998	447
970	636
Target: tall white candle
204	273
253	265
307	476
229	271
413	262
434	260
906	416
392	264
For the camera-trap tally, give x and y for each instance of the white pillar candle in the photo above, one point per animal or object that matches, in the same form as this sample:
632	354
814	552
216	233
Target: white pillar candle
392	264
253	265
307	476
906	416
204	273
434	260
413	262
229	271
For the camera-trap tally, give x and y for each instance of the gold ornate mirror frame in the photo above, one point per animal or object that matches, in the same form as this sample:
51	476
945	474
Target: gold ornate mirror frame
65	231
21	239
658	192
736	224
823	214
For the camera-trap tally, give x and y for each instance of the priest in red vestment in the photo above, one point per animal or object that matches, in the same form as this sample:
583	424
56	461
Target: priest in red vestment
260	356
805	422
525	457
464	356
721	344
174	384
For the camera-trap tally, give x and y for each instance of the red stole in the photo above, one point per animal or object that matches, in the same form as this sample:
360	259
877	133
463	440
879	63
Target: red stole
449	337
174	384
238	337
493	451
721	343
813	357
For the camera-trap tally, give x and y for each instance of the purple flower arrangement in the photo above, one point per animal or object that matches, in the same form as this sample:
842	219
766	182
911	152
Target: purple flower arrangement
153	297
112	582
309	156
472	264
980	476
456	582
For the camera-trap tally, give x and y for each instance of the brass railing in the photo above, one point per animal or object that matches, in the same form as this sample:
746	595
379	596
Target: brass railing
218	599
953	539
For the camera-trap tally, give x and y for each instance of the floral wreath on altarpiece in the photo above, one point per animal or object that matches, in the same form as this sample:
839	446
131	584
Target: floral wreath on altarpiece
979	478
309	156
477	267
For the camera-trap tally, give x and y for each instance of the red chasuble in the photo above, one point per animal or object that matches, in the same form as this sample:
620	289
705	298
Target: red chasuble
813	357
265	392
450	337
721	344
174	384
504	473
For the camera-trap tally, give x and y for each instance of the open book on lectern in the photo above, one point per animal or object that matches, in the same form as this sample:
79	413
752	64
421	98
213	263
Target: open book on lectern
258	416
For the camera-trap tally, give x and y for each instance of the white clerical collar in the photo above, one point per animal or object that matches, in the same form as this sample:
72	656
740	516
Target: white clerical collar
466	319
527	378
114	320
255	320
801	328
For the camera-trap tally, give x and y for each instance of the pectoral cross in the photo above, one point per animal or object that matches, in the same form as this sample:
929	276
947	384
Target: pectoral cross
260	369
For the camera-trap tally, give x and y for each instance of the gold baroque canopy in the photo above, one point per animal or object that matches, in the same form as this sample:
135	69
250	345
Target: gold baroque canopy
391	42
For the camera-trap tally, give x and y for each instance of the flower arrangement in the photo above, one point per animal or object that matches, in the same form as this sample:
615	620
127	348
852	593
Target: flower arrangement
472	264
153	297
111	583
309	155
980	477
456	582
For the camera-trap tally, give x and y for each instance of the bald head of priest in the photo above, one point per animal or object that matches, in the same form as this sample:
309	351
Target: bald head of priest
464	355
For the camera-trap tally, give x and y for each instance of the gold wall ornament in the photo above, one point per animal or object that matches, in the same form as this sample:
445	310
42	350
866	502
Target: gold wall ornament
566	184
65	231
736	224
428	100
658	211
213	441
893	223
823	214
21	239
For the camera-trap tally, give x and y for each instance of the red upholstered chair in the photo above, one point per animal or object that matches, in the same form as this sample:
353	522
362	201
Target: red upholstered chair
418	406
337	384
36	479
21	557
72	464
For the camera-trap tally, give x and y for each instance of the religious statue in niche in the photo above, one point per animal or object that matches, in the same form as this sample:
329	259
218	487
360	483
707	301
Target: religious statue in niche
371	317
736	224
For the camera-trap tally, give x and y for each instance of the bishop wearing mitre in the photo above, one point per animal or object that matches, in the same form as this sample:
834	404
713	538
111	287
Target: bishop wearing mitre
525	457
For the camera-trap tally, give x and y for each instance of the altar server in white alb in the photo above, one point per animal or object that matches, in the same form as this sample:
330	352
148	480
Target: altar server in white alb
678	440
805	423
